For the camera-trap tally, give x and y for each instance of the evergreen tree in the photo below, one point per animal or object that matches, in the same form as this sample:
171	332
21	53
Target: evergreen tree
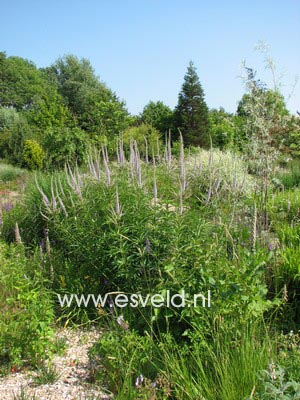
191	113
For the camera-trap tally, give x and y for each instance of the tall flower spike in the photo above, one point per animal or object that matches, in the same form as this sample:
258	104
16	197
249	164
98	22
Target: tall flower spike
121	150
138	168
254	228
106	167
169	149
158	151
17	234
154	181
182	166
118	207
146	150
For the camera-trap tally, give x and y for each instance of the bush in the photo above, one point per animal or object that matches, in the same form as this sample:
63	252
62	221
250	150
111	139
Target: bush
137	247
139	134
33	155
26	309
216	175
65	145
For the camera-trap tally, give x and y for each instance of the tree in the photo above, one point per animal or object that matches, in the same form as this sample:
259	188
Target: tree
158	115
28	90
191	113
20	82
264	115
222	128
14	130
97	109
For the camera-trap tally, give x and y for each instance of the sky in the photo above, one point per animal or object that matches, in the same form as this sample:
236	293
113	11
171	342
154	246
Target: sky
141	48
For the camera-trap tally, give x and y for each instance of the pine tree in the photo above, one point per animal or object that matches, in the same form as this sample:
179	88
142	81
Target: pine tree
191	113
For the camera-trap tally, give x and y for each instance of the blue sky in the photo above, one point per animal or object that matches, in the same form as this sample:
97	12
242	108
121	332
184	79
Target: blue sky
141	48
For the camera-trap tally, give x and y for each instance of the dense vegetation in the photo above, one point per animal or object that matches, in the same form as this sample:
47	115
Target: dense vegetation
127	204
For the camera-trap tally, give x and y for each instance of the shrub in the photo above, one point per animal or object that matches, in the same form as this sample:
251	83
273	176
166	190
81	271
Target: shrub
218	175
26	308
139	134
33	155
65	145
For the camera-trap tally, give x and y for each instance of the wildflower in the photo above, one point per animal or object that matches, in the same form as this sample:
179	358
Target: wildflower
17	234
8	206
123	324
139	380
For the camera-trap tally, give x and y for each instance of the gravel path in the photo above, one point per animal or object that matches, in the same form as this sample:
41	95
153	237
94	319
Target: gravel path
74	374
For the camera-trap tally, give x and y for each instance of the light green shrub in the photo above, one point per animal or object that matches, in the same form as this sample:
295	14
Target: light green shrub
33	155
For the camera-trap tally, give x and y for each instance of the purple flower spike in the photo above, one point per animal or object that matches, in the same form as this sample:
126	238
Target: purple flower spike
8	206
147	242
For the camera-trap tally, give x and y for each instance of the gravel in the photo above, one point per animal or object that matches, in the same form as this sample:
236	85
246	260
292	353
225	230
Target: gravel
74	373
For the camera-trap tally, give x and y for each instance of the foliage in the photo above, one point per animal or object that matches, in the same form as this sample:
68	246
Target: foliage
21	82
14	130
137	247
158	115
65	145
275	385
96	107
9	173
33	155
27	89
191	113
222	128
27	312
144	135
158	368
289	177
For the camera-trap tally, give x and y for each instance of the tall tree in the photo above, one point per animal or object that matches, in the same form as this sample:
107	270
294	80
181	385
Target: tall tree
191	113
97	109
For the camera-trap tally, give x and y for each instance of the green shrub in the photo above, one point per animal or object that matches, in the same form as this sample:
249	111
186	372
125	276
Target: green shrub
139	134
65	145
33	155
139	247
26	309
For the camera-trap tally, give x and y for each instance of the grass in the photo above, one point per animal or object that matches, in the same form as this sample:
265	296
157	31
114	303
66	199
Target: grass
23	395
289	177
9	173
46	374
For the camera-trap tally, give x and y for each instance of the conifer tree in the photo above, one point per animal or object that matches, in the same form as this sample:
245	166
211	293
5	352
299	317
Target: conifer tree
191	113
